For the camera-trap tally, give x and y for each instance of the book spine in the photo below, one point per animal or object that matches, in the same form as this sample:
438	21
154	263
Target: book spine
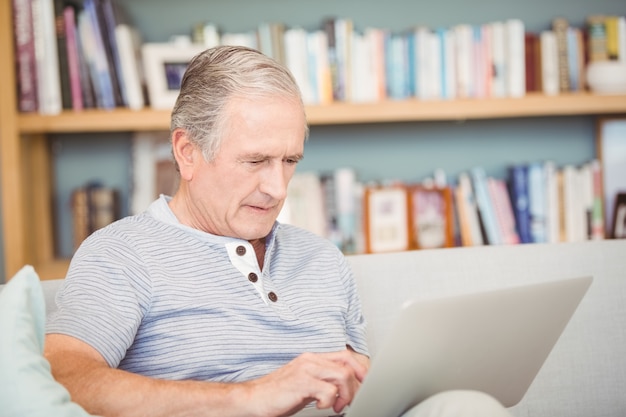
48	79
549	63
25	56
552	202
468	217
597	214
537	202
559	26
63	59
596	44
99	66
573	69
73	59
128	42
612	37
108	23
518	183
464	64
516	79
485	206
503	210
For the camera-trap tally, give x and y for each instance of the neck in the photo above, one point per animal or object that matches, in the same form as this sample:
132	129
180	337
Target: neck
259	250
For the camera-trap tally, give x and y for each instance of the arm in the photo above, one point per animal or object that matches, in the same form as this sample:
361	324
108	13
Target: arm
329	379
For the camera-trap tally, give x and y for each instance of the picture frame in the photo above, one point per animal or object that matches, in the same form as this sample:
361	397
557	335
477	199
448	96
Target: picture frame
618	225
386	223
164	65
431	217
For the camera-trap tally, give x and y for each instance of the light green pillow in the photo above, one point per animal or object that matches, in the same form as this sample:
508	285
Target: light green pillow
27	388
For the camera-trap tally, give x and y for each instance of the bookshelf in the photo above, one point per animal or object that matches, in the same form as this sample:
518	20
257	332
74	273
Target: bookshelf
346	113
26	158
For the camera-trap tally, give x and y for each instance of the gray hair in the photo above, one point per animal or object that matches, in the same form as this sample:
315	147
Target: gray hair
218	74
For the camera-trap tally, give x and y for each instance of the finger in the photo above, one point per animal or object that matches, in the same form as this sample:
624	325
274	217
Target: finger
350	359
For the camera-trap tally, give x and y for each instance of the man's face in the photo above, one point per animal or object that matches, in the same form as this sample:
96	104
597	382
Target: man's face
241	192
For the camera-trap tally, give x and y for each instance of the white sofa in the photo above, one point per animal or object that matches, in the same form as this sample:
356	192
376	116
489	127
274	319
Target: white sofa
585	374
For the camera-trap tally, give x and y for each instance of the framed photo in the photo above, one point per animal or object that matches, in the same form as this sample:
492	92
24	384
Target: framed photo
619	217
165	64
386	219
431	217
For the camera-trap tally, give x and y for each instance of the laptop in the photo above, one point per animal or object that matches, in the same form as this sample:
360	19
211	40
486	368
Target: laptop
493	341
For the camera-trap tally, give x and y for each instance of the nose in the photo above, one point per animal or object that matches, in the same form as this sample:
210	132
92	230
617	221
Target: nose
274	181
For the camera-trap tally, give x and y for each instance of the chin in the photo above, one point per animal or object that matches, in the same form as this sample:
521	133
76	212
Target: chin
255	232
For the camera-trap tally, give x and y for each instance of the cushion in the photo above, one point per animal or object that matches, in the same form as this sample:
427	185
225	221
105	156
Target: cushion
27	388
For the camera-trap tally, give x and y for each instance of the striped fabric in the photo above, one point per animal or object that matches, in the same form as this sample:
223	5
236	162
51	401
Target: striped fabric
161	299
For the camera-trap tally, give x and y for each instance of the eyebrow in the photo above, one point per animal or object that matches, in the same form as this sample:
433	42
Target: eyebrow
260	156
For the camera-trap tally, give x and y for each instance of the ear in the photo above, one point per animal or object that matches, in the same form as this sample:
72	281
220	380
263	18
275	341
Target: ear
185	153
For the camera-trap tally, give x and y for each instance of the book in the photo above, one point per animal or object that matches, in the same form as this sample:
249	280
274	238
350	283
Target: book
467	212
345	180
63	59
73	58
319	70
515	58
537	202
503	209
485	206
129	49
25	58
559	26
552	202
574	67
612	37
518	184
297	60
48	77
110	17
533	62
596	44
94	51
573	210
549	63
464	61
498	59
597	213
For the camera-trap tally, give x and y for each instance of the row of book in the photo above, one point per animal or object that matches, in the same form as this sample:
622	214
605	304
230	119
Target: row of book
537	203
75	55
496	59
85	54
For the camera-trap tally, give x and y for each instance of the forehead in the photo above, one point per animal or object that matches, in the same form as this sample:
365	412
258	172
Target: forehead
254	120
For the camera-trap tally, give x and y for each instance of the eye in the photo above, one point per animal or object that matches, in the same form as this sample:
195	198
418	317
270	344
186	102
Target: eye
291	161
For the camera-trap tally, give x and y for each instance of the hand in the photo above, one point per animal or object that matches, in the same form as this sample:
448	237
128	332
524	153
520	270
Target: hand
328	379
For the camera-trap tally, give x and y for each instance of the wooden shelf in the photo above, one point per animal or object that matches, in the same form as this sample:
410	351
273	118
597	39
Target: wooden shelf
532	105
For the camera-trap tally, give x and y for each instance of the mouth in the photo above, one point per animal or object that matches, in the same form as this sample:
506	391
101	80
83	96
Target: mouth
263	209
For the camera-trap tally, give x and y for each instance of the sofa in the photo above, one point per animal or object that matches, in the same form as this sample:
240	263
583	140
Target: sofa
585	373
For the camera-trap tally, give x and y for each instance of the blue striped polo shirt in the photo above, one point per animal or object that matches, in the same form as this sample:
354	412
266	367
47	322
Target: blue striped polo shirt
161	299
